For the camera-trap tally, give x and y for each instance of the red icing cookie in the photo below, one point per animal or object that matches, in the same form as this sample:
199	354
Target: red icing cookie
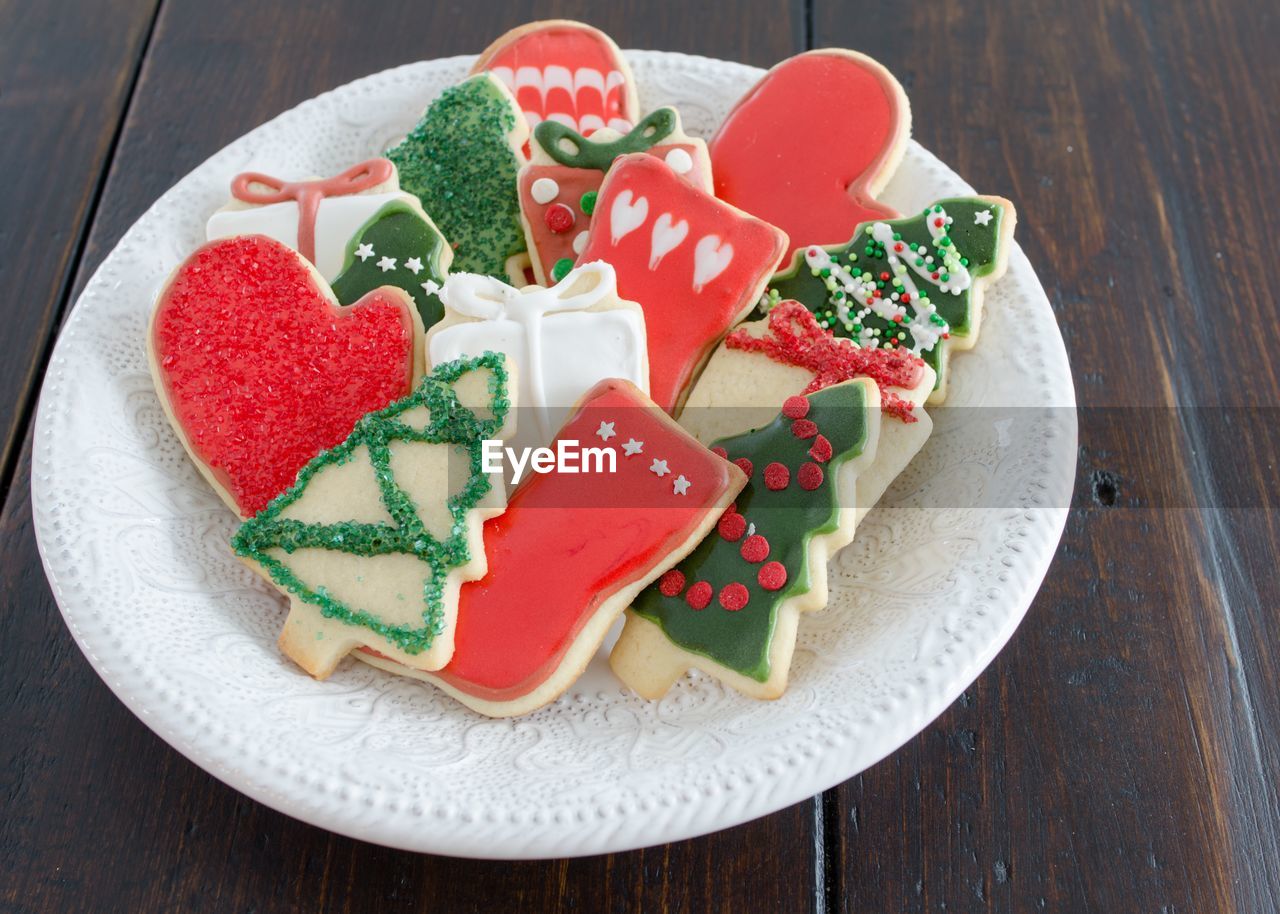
694	263
810	145
572	550
260	369
565	71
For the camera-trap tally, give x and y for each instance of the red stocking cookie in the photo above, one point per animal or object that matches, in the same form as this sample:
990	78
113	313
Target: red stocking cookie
564	71
811	144
694	263
259	369
574	548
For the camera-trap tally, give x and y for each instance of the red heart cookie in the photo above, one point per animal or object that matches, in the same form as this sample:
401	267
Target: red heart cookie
810	145
260	369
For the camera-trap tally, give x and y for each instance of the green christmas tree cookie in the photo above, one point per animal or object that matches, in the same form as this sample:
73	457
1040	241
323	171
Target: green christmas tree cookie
374	539
914	283
461	161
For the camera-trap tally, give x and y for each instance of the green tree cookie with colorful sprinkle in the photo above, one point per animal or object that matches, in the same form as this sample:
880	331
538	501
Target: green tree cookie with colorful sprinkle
915	283
731	607
461	161
373	541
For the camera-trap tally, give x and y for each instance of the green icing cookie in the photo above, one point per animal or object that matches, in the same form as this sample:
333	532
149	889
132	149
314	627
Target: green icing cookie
722	601
461	163
264	536
899	257
397	247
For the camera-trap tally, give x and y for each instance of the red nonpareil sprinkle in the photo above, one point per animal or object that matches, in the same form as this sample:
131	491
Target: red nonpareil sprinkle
897	407
699	595
804	429
809	476
821	450
776	476
720	452
559	218
734	597
745	465
794	337
732	525
755	548
796	407
672	583
772	576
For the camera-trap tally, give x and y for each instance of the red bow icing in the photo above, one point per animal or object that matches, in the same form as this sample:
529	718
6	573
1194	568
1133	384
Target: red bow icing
308	194
794	337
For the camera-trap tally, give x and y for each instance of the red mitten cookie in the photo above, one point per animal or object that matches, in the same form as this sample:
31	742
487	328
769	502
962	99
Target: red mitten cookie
694	263
810	145
574	548
259	369
564	71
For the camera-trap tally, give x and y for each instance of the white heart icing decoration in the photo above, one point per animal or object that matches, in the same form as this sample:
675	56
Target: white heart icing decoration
666	238
625	217
711	257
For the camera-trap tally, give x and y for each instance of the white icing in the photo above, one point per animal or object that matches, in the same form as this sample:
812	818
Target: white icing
625	216
580	242
587	81
711	257
337	221
679	160
560	348
544	190
667	236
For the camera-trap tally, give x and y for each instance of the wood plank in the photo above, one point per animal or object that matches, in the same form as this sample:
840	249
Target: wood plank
97	806
1121	754
64	83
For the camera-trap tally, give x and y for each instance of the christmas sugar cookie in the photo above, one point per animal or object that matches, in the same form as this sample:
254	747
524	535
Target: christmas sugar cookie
374	539
914	283
560	185
573	549
731	607
810	146
564	71
563	340
694	263
259	368
762	363
358	229
461	162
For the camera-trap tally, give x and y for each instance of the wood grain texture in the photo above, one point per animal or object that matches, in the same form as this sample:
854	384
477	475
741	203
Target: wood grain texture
65	76
1122	753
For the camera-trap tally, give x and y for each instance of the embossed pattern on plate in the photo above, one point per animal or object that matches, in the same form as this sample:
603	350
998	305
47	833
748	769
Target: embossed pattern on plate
135	547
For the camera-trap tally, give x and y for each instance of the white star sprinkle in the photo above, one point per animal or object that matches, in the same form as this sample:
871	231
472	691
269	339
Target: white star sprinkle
605	431
431	287
364	251
387	264
680	486
659	467
632	447
413	265
982	217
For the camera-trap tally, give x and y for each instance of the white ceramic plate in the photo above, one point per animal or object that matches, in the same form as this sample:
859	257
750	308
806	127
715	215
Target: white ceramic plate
135	546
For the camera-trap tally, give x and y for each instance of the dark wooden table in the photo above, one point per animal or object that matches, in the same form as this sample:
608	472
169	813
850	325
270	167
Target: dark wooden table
1122	754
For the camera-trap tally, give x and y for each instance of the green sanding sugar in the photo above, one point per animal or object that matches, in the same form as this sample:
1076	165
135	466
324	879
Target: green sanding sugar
460	163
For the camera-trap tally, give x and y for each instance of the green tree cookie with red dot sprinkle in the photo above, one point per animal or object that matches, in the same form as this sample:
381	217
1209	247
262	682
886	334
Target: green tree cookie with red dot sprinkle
730	607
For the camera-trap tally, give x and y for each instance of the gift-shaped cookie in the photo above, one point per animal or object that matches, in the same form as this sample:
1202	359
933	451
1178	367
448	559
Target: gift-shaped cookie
563	340
694	263
259	369
373	541
762	363
358	229
564	71
731	607
914	283
812	143
575	546
560	185
461	162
